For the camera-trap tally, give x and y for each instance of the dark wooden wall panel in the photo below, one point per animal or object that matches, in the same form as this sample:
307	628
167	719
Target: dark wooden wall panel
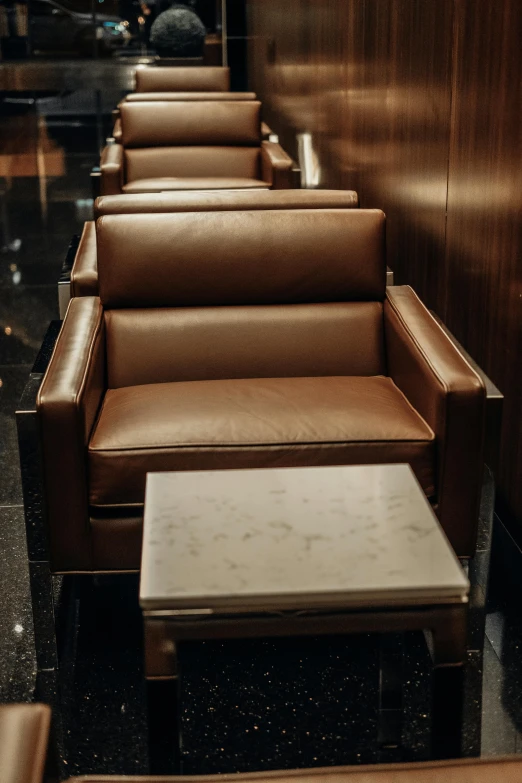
484	229
417	105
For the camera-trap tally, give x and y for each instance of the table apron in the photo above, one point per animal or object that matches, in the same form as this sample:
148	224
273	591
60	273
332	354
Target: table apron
447	624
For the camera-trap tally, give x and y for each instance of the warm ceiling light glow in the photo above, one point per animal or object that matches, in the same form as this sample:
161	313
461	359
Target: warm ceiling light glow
8	330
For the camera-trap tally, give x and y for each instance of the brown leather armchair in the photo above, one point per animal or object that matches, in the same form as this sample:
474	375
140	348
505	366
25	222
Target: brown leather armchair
192	145
84	271
24	734
246	339
180	84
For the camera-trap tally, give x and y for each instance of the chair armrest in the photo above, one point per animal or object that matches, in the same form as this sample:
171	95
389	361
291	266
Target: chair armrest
111	167
116	131
451	397
84	272
24	736
64	281
276	166
494	405
67	404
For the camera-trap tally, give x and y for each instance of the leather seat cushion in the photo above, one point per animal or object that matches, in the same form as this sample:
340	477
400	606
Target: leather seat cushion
159	184
248	423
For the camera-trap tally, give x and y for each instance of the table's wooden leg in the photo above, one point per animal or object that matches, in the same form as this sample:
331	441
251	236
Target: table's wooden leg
163	725
161	671
391	696
449	655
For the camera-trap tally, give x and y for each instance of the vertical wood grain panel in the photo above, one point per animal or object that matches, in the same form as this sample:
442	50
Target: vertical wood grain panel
484	231
417	105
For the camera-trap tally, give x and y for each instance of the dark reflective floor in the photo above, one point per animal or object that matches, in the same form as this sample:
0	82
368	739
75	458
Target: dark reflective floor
245	705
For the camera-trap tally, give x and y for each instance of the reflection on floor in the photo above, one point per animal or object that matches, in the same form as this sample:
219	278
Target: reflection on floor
245	705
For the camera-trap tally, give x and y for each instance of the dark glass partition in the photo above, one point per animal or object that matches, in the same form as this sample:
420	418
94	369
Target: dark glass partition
100	29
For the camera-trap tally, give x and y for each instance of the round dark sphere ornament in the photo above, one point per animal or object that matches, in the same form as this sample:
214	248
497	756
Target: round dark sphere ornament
178	32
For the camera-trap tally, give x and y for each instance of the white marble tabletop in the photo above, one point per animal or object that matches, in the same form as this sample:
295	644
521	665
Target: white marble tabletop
293	538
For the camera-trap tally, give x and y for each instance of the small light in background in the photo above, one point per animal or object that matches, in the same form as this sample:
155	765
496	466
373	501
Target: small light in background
8	330
13	268
18	628
1	383
17	276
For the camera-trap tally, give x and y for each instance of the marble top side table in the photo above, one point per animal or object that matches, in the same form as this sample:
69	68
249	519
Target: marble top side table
302	551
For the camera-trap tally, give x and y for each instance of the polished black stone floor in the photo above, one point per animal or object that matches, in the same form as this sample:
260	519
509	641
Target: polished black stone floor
244	705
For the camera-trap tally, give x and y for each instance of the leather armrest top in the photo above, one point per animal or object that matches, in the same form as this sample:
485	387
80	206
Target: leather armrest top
449	394
276	165
111	166
484	770
84	272
24	734
67	404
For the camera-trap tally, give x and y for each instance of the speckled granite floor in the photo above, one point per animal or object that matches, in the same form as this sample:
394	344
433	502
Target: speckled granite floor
244	705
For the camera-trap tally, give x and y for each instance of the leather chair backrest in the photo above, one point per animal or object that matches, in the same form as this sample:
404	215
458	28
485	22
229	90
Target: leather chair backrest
185	201
191	123
179	79
241	258
162	345
199	296
155	162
